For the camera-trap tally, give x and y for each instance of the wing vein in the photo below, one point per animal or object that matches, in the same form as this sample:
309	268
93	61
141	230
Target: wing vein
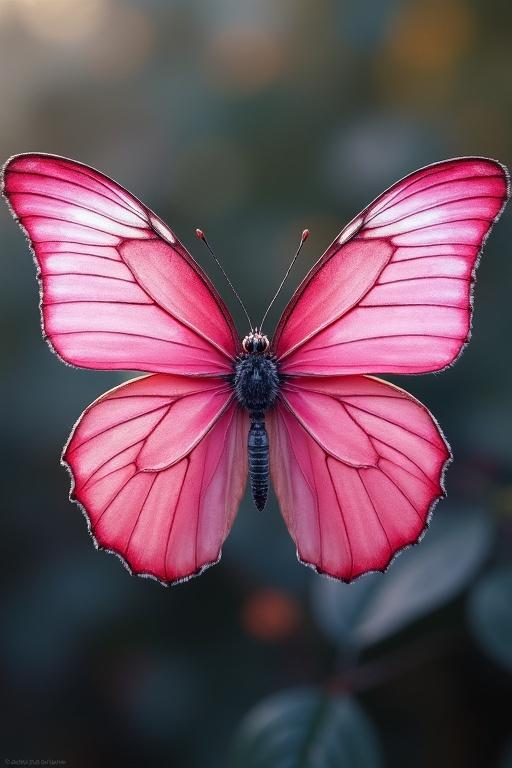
338	502
395	424
123	421
127	549
173	518
74	204
393	201
359	474
429	208
122	202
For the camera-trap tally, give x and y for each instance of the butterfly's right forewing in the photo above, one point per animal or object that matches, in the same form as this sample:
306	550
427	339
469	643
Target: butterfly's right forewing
392	294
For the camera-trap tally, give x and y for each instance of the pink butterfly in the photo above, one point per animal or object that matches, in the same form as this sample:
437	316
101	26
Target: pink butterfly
159	464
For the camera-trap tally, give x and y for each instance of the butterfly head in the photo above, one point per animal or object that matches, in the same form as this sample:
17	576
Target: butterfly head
255	343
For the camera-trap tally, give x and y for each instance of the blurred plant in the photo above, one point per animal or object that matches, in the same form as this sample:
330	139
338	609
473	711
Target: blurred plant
307	728
490	614
420	580
319	727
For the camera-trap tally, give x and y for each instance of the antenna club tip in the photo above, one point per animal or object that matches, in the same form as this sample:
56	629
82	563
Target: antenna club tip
200	234
305	235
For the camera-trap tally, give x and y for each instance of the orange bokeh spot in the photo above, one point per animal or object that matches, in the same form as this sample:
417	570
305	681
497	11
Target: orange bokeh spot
431	35
270	615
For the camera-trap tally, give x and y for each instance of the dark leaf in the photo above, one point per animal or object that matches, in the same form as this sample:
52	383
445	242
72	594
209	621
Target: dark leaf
420	580
306	728
490	614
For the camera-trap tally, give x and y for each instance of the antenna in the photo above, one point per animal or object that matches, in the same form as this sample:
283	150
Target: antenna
303	239
200	234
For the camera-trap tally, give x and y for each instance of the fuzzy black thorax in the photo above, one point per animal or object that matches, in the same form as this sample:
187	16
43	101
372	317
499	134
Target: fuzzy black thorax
256	381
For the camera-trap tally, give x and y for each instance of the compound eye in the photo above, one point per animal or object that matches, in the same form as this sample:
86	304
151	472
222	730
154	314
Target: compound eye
247	344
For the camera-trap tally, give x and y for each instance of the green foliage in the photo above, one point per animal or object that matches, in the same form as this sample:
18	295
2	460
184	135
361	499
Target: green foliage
418	582
305	728
490	614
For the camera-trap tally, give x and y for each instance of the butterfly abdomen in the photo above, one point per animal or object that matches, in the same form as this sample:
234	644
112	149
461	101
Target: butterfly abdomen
258	454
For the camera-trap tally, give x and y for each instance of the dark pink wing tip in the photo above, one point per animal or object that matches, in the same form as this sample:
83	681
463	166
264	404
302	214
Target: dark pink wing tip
392	294
112	274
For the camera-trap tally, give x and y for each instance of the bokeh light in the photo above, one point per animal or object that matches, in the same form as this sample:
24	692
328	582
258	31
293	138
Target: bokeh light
271	615
61	21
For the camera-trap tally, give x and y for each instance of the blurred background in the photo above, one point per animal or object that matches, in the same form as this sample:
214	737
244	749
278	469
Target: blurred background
254	119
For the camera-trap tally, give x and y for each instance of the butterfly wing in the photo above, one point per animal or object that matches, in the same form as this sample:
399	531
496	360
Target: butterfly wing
357	463
357	467
392	294
118	289
159	467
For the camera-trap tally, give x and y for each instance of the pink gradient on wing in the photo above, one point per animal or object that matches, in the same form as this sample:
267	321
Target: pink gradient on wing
347	516
396	297
159	465
118	291
165	506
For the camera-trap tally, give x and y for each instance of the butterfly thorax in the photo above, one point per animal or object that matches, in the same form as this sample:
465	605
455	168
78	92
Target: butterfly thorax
256	381
256	384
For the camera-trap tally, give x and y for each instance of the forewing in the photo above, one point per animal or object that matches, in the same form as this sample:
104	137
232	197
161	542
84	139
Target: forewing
159	468
393	292
118	290
349	509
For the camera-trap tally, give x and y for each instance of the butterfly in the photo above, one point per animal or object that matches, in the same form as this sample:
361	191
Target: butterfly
159	464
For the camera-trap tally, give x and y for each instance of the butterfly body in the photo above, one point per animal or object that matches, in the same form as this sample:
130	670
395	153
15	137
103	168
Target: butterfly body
256	384
159	464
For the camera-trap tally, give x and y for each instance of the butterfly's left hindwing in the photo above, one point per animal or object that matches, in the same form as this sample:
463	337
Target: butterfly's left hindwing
159	467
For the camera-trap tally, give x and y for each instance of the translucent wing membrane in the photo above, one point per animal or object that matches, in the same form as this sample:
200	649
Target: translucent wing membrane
159	466
350	503
118	290
393	292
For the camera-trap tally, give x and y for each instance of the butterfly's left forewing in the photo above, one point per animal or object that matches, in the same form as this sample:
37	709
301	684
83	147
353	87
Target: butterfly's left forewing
118	289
